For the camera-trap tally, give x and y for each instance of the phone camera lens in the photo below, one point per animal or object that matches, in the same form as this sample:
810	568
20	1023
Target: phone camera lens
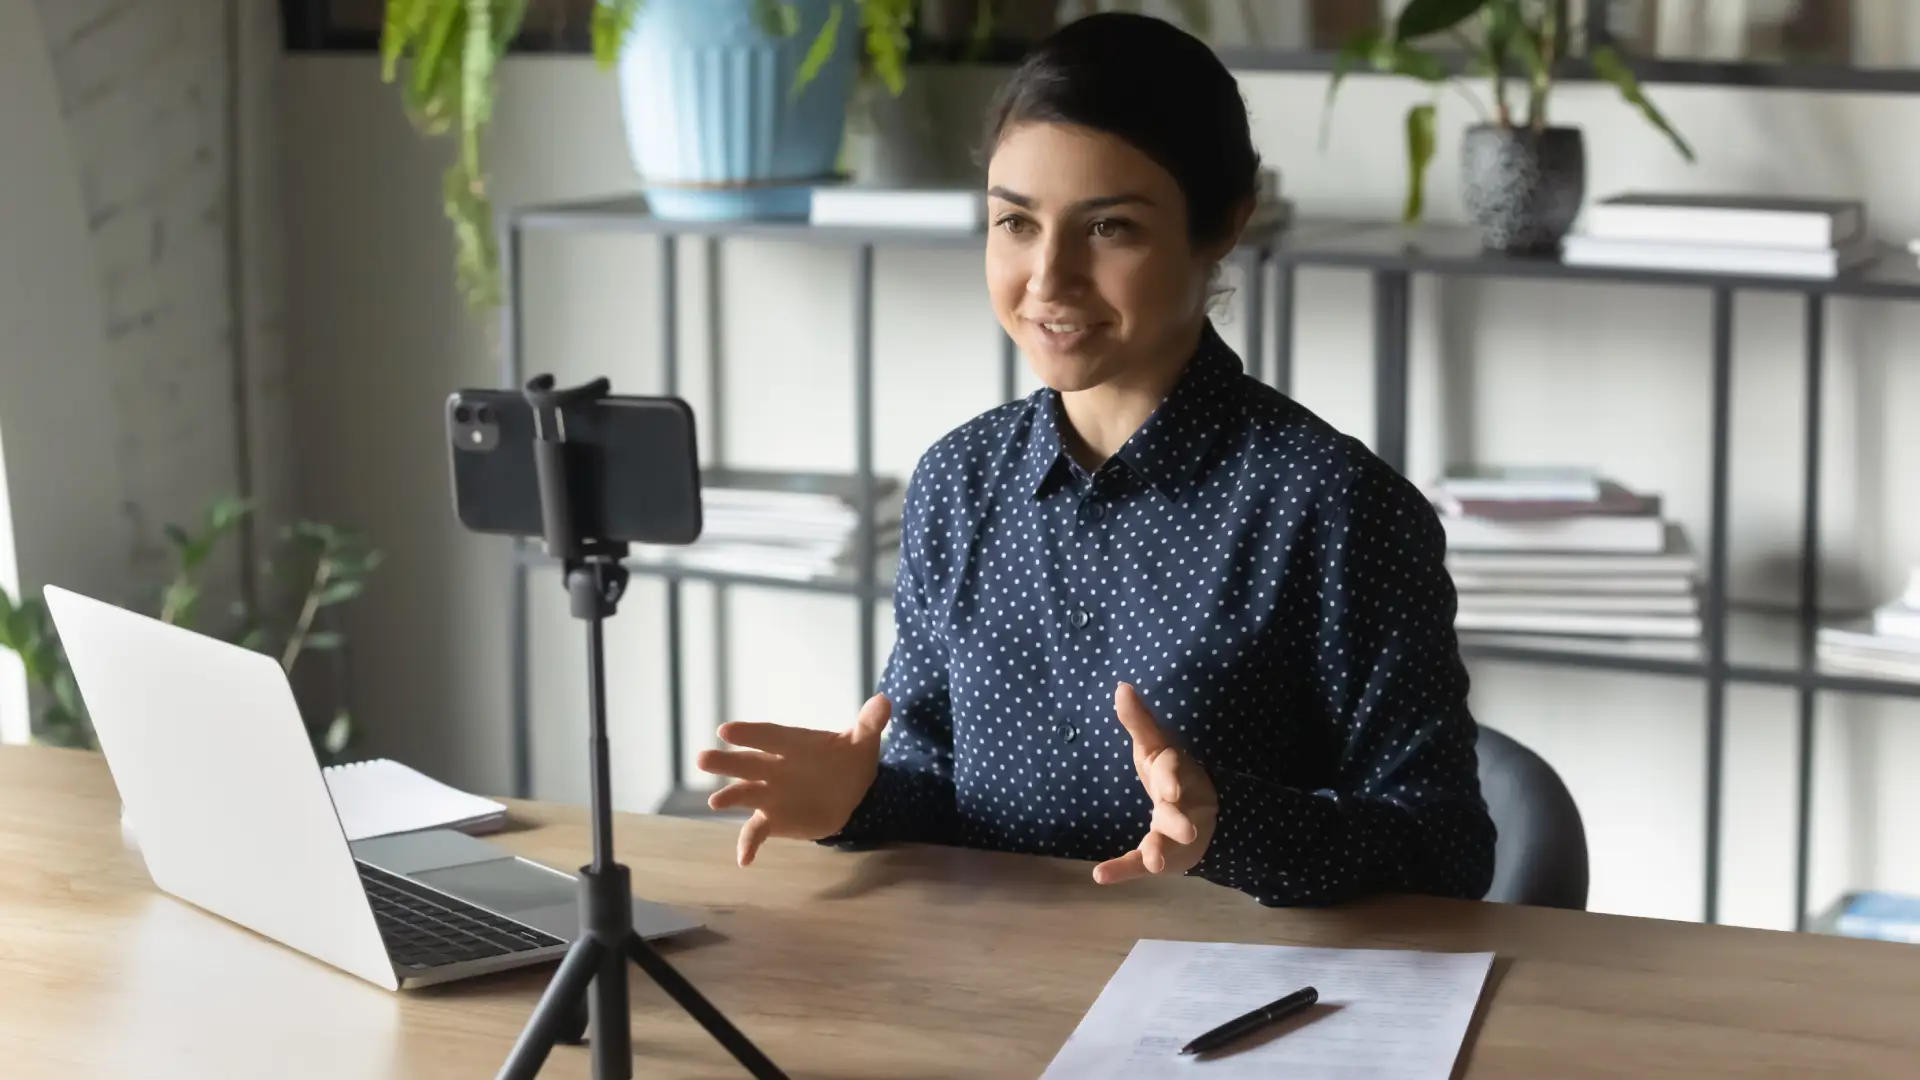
460	414
486	414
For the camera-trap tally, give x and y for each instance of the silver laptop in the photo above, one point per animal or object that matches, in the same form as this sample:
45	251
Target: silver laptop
232	815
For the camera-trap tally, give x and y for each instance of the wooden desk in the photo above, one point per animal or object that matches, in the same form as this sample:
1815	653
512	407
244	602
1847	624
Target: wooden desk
909	964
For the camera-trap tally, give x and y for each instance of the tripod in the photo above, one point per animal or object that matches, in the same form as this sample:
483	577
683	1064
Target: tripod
596	578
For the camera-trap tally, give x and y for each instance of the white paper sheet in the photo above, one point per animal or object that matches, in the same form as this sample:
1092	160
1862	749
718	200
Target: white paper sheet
1384	1014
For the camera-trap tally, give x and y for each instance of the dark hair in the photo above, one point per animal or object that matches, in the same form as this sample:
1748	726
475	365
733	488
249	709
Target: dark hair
1154	85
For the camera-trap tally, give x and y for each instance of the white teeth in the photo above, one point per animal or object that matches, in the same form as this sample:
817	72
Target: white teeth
1061	328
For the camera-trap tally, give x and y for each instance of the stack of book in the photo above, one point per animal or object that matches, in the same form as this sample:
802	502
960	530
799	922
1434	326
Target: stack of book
792	526
1885	644
1724	234
1876	914
1565	552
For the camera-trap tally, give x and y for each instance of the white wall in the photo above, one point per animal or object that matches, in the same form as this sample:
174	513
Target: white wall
121	189
378	338
59	483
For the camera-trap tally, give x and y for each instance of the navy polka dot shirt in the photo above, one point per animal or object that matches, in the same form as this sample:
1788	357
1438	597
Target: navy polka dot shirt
1275	592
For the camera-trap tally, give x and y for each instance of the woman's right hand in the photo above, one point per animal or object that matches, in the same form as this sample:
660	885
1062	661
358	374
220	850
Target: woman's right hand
800	783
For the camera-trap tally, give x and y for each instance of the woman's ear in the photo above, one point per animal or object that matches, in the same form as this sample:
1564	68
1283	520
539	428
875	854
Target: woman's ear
1236	228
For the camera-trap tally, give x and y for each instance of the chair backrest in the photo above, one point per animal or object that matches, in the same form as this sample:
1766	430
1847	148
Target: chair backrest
1541	855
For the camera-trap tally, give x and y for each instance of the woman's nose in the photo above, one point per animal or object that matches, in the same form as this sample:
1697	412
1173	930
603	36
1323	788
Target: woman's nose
1058	270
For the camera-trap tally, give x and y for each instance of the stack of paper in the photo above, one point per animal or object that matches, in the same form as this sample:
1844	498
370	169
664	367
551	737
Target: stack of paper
1886	644
1389	1014
794	526
381	797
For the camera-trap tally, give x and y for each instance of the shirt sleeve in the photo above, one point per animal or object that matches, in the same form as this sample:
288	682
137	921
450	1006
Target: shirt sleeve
1402	810
912	796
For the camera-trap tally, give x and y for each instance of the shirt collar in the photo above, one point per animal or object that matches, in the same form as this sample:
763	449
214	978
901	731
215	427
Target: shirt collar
1168	448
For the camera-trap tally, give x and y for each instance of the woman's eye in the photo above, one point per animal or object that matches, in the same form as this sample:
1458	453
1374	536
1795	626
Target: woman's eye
1012	224
1109	229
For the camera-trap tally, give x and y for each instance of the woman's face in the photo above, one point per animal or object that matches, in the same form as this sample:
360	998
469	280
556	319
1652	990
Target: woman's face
1088	260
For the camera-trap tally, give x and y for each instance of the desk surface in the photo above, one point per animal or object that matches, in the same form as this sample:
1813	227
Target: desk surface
906	964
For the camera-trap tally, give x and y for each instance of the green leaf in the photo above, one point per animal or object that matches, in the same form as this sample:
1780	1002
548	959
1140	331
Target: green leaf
226	514
19	628
1400	58
323	640
66	692
1420	146
1354	54
1382	55
255	638
776	18
339	733
1523	46
1608	65
341	591
177	536
1422	17
612	24
819	52
404	21
432	64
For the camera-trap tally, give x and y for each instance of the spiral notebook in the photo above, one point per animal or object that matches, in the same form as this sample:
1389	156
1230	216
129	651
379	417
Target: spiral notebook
380	797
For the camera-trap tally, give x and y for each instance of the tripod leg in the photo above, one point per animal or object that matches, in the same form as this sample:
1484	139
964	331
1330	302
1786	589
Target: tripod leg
697	1006
553	1015
575	1031
612	1040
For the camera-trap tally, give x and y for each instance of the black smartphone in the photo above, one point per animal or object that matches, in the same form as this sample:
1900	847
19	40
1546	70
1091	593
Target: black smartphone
634	462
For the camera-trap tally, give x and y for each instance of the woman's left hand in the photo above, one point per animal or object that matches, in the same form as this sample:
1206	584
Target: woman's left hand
1184	803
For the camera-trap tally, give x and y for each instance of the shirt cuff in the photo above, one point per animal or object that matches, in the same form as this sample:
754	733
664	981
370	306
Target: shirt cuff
1241	854
866	824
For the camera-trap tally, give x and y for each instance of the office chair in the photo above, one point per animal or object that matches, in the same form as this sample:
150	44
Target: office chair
1541	855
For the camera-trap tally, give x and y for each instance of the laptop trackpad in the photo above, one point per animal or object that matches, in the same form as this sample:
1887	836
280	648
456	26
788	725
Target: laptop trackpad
542	898
502	885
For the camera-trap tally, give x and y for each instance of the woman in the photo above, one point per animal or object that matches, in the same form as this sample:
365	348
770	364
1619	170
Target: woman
1156	615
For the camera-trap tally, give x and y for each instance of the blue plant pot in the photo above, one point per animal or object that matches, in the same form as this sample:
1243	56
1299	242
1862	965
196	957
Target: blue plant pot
713	125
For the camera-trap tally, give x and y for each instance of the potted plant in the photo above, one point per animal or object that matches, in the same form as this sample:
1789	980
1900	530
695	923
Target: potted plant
314	568
732	108
1522	179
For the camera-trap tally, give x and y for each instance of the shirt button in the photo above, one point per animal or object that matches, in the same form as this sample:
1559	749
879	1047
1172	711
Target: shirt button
1094	510
1079	617
1068	732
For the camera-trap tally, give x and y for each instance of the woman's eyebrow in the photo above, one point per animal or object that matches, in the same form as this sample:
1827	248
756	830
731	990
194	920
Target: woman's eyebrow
1099	202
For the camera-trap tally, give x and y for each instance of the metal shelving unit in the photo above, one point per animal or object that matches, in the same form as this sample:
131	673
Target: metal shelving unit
869	582
1740	646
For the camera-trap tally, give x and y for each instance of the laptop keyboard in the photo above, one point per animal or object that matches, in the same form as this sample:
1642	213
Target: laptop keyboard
427	929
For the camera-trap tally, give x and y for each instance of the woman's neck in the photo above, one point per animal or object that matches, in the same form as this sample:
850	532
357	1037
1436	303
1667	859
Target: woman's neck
1100	419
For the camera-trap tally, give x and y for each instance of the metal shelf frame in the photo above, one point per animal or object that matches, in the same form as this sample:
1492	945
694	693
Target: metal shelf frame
1390	254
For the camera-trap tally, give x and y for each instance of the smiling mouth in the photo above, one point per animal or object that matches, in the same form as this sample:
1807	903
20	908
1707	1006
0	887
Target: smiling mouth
1066	334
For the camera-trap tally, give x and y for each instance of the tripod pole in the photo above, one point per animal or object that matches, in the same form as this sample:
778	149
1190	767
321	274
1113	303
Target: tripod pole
595	967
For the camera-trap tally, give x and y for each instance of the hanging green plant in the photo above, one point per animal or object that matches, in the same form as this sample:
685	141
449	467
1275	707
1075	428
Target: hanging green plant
451	51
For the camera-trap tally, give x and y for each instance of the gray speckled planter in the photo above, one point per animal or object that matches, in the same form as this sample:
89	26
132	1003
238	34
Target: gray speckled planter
1523	188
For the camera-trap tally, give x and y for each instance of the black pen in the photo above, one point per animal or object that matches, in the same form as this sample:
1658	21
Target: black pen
1258	1018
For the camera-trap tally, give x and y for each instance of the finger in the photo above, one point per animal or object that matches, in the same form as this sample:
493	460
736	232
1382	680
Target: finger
1155	852
747	793
743	764
1125	868
774	738
873	717
1163	776
752	835
1134	715
1173	823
